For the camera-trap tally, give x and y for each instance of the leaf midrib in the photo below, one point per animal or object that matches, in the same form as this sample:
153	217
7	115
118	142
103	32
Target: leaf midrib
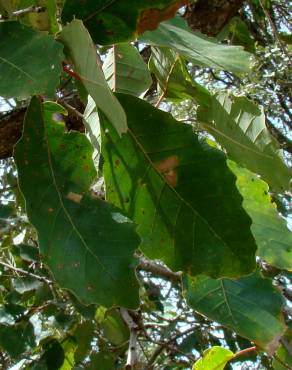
74	228
140	146
17	68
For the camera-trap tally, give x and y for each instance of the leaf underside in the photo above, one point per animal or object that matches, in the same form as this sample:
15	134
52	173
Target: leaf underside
239	126
82	52
198	48
250	306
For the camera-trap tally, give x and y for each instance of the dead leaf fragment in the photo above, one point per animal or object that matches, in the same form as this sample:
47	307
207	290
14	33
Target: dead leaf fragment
149	19
167	167
75	197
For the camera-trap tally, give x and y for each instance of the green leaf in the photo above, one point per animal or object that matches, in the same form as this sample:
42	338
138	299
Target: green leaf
53	357
10	313
214	358
283	355
173	77
69	347
83	334
83	54
177	189
101	360
250	306
199	49
30	61
114	21
28	252
239	126
88	249
236	32
26	284
114	328
17	339
6	211
274	239
125	70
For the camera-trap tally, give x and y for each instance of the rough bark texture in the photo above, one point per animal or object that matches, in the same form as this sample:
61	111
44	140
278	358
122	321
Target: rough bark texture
11	127
210	16
10	131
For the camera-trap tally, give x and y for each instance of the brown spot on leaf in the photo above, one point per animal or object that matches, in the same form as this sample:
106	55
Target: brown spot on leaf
150	18
167	167
75	197
274	344
51	210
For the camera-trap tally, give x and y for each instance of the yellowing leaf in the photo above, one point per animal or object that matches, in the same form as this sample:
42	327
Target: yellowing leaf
214	358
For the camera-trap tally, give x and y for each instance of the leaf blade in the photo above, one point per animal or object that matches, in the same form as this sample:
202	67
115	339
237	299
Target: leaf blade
125	70
23	71
158	174
250	306
55	173
239	126
274	239
83	54
198	48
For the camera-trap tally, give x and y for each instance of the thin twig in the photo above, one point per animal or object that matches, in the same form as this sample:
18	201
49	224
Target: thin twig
158	269
132	357
71	109
274	28
9	188
71	73
167	344
160	99
26	273
245	351
30	9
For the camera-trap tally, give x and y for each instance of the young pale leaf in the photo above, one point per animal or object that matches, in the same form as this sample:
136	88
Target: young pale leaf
274	239
179	191
30	61
173	77
82	240
251	306
110	22
82	52
125	70
239	126
198	48
214	358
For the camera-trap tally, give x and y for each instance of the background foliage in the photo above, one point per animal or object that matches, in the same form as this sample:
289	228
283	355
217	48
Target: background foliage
145	162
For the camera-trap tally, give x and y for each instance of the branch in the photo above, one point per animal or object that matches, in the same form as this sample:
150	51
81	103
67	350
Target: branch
284	142
158	269
244	351
167	345
274	29
26	273
132	357
30	9
10	131
11	124
210	16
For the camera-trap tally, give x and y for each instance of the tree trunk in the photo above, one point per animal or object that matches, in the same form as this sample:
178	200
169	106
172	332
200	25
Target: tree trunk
210	16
